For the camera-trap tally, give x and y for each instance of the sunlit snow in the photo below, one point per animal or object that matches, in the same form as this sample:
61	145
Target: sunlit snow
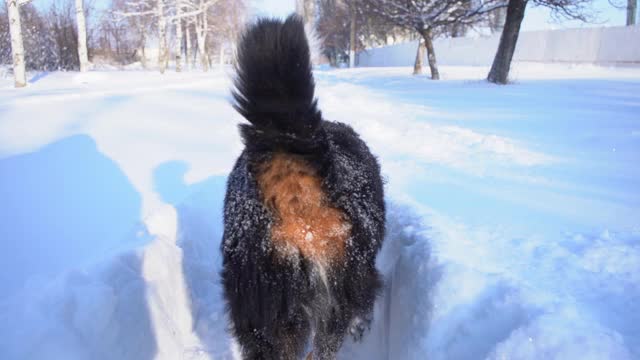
513	228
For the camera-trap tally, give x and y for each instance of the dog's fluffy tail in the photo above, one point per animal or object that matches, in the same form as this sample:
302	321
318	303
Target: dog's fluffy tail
274	86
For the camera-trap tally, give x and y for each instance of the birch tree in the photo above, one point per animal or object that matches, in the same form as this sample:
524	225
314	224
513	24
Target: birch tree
157	10
203	27
198	12
163	50
17	45
352	33
82	36
164	12
307	10
226	20
178	50
192	19
431	17
128	34
189	61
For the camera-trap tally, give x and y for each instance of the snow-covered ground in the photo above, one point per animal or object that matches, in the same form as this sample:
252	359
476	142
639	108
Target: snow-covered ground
514	228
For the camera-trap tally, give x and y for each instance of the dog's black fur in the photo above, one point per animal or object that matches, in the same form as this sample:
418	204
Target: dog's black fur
278	304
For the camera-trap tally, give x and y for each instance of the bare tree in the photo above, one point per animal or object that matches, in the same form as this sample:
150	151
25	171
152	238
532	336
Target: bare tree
123	31
332	29
185	12
5	37
82	36
417	65
632	10
574	9
158	9
120	41
190	17
189	58
226	21
202	28
344	27
307	10
49	38
163	49
431	17
353	15
64	35
164	12
178	24
200	14
17	46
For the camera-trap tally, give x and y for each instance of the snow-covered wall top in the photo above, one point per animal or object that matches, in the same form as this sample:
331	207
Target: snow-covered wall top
610	45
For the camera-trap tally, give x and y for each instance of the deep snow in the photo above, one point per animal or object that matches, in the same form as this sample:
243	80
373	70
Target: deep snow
513	230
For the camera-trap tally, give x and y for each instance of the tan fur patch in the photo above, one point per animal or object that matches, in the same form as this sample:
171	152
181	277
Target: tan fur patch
291	188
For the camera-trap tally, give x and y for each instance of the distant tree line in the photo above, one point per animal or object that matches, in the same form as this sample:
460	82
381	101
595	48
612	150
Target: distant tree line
50	37
185	32
191	33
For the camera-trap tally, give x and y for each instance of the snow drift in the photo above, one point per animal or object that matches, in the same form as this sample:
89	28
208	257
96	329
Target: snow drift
512	230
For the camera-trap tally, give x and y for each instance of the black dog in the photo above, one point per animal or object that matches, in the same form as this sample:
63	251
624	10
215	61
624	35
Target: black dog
304	210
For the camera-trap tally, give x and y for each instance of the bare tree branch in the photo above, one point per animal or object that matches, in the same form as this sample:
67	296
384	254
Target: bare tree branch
432	17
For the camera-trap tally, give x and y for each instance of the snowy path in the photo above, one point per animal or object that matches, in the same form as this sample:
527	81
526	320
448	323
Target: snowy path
518	236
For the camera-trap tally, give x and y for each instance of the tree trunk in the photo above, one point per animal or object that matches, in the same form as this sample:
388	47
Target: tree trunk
352	38
632	10
499	73
162	36
234	52
82	36
187	62
204	62
17	47
142	43
143	57
417	66
221	56
201	37
333	59
427	35
178	49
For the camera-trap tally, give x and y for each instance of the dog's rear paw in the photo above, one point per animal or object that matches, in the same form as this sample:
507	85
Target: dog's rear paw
359	325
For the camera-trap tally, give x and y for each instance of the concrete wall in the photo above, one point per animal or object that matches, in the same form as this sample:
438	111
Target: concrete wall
610	45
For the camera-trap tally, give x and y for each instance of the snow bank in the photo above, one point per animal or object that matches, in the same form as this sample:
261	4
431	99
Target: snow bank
67	190
161	300
517	236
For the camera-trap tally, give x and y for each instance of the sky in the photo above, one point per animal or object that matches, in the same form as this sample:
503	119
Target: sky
537	18
275	8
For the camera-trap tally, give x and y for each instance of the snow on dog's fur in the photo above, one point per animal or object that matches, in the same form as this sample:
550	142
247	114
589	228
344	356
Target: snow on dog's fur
304	211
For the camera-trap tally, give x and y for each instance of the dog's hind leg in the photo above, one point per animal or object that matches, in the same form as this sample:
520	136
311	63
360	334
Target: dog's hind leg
292	337
329	336
285	341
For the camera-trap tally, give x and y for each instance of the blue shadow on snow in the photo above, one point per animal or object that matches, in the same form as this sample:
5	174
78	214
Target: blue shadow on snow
63	207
